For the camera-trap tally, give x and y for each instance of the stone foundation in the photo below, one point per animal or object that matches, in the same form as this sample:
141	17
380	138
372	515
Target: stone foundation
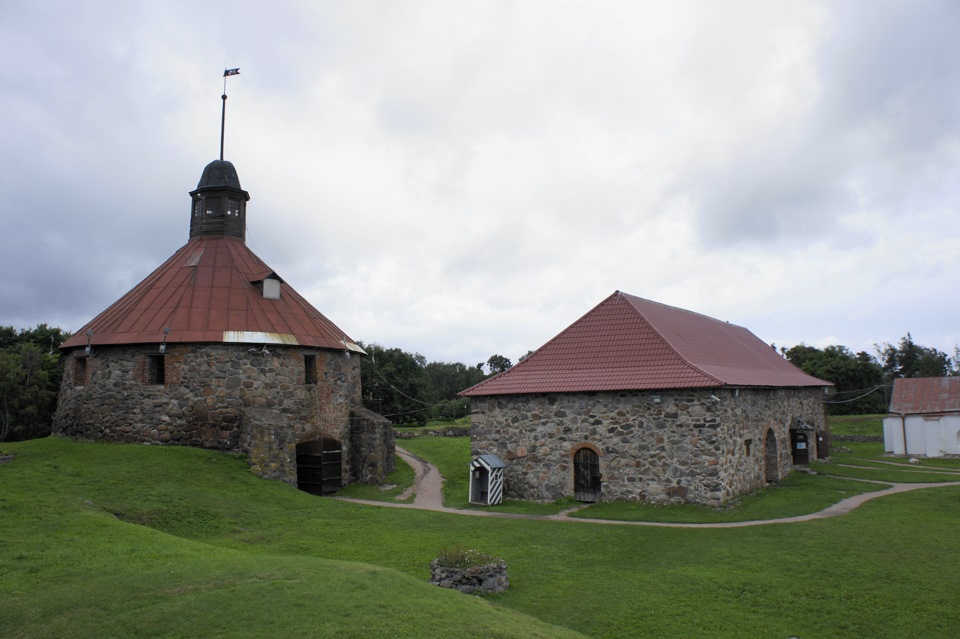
697	446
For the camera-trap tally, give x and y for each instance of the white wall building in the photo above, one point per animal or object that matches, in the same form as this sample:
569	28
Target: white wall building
924	417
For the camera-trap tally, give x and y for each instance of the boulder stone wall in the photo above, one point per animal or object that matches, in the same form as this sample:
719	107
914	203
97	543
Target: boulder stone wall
702	446
486	579
373	448
241	398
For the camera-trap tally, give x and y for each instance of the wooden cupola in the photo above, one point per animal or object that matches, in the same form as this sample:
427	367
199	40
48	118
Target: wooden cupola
219	206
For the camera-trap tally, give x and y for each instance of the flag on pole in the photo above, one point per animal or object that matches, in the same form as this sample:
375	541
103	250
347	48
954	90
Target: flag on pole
227	72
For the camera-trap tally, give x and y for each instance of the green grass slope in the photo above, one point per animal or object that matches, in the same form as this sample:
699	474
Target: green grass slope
122	540
111	541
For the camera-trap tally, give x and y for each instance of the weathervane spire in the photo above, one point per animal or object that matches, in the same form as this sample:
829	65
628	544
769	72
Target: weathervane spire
223	113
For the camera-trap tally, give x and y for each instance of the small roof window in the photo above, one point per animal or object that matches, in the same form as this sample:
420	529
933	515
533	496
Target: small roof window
271	288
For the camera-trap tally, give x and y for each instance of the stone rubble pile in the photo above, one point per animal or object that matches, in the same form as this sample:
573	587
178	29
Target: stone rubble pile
477	580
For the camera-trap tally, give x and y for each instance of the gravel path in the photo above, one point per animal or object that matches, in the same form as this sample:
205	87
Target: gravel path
427	484
428	487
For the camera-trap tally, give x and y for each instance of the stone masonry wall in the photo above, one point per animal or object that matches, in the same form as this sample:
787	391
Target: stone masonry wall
231	397
752	412
373	448
662	447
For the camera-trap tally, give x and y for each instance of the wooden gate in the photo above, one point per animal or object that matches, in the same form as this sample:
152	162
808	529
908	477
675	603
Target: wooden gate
586	475
823	444
319	466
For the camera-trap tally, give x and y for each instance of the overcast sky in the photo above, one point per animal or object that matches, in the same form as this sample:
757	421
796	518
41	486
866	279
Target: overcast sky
461	179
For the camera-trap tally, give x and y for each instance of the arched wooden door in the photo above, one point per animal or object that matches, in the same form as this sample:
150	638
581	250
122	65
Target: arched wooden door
586	475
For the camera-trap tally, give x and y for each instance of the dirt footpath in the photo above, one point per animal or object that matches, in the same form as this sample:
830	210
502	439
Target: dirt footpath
428	488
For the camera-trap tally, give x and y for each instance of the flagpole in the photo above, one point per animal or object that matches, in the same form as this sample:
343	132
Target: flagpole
223	111
223	117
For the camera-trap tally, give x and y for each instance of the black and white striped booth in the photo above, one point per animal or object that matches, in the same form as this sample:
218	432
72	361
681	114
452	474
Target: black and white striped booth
486	480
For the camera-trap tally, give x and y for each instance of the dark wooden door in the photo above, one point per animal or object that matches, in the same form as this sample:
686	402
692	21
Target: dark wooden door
586	475
823	444
800	446
319	466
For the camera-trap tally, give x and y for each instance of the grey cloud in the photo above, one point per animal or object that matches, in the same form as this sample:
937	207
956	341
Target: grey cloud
880	132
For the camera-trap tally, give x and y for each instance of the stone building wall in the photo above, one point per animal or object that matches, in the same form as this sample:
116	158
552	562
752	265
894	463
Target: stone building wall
666	446
373	447
231	397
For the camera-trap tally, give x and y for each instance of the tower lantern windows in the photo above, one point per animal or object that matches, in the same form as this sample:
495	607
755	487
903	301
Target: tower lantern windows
218	203
213	205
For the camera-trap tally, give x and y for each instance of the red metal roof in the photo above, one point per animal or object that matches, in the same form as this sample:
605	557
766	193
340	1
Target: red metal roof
206	293
629	343
925	395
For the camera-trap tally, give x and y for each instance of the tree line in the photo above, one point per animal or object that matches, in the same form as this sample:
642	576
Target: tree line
30	375
863	381
405	388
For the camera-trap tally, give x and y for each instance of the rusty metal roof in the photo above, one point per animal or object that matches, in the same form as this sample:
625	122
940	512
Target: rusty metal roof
629	343
208	292
925	395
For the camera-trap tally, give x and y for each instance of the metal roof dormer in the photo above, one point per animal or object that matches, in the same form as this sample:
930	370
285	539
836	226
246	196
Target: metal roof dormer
218	205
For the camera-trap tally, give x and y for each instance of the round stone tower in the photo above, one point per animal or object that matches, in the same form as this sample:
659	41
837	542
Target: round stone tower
214	349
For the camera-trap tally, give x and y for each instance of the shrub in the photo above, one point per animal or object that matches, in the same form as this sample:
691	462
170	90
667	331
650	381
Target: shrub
459	557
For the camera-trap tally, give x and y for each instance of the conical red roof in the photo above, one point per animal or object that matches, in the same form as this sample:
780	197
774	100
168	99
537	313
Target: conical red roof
211	290
629	343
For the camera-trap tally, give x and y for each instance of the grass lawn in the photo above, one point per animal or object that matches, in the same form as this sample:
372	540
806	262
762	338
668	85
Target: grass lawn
797	494
866	460
871	425
112	540
435	425
394	484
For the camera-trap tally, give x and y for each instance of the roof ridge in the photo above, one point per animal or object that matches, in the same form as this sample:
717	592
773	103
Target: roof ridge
664	338
122	305
542	347
191	281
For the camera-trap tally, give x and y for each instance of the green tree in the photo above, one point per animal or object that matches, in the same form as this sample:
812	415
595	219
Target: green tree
395	384
857	378
446	380
498	364
449	378
29	383
909	359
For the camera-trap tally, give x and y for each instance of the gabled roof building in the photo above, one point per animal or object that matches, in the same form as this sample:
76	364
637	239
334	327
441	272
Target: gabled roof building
924	417
642	401
214	349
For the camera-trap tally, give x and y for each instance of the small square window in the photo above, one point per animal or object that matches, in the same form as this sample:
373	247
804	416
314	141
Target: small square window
271	288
